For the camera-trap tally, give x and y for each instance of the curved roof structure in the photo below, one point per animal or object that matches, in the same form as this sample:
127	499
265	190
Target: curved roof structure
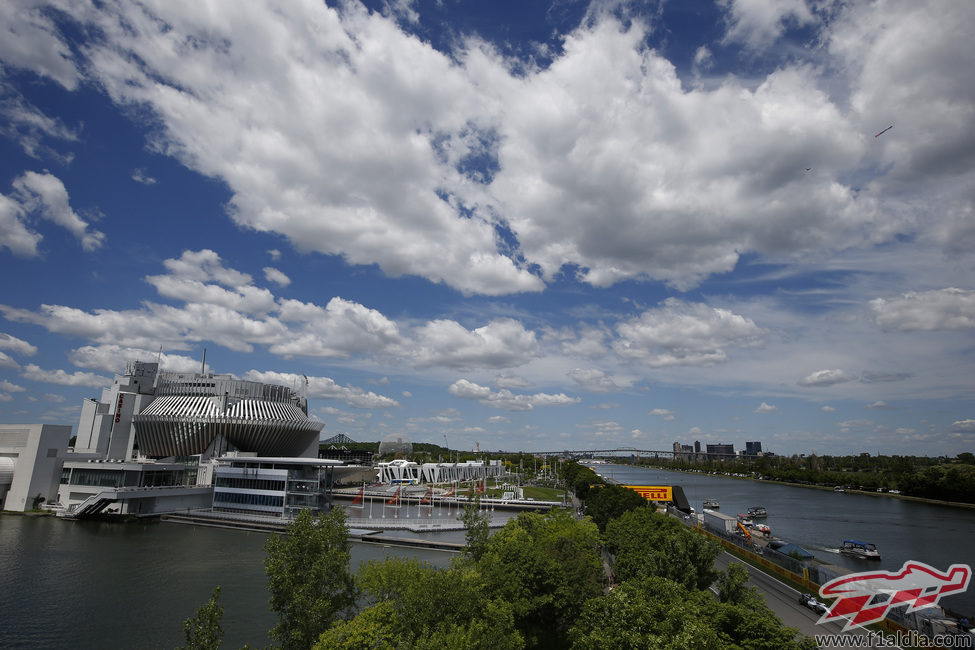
190	414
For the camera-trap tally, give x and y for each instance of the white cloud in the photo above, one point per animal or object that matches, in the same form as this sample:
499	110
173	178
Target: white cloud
827	409
27	125
140	175
604	160
666	414
593	380
17	345
341	329
45	196
826	378
35	373
29	40
512	381
942	309
325	388
963	426
502	343
681	333
112	358
277	277
7	362
855	426
11	387
506	400
767	408
759	23
15	236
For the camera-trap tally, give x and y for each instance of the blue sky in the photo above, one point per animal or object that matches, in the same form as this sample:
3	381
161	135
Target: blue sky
520	225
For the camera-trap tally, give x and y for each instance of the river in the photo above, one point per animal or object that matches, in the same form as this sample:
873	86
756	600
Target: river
819	520
85	584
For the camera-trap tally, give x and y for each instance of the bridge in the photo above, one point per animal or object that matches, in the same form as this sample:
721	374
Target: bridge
629	451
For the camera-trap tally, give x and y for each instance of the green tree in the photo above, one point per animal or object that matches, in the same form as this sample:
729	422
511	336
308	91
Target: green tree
309	579
611	501
657	612
649	544
203	631
546	568
476	526
731	584
411	604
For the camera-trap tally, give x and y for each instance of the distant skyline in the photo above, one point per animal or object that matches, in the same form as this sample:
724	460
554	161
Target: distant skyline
532	226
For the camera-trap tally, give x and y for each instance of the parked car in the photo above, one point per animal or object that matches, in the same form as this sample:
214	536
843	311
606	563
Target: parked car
812	603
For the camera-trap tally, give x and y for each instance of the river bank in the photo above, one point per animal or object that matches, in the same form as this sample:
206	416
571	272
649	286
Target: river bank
825	488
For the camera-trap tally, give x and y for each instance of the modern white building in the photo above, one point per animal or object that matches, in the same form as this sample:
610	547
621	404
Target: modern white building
145	447
274	487
150	414
30	464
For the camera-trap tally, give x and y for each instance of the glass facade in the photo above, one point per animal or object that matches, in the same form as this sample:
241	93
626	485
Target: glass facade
249	483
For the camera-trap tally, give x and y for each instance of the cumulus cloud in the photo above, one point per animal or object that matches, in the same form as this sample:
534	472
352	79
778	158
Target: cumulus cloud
512	381
502	343
942	309
602	162
36	373
11	387
682	333
826	378
666	414
45	196
277	277
759	23
963	426
325	388
593	380
17	345
767	408
29	40
827	408
341	329
504	399
112	358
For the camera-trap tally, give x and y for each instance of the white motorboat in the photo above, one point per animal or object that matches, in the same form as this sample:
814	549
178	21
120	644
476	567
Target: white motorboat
862	550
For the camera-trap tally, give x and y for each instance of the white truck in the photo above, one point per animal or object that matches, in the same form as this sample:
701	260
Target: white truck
720	522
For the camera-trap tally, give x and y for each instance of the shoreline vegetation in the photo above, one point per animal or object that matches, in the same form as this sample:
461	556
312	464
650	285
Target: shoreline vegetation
940	481
826	488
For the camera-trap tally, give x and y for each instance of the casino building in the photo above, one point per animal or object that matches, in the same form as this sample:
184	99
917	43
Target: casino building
152	441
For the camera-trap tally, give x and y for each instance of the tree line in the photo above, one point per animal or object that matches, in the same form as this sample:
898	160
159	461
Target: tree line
947	479
624	576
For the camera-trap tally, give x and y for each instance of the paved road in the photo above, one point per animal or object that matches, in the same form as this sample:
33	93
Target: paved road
784	601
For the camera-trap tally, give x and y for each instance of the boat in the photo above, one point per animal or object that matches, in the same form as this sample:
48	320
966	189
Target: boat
839	488
757	512
745	520
862	550
712	504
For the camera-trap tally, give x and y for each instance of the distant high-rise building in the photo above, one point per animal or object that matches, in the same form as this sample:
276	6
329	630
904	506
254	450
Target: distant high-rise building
753	448
721	451
697	446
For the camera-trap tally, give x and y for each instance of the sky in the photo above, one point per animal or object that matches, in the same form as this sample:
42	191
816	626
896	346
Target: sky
504	225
